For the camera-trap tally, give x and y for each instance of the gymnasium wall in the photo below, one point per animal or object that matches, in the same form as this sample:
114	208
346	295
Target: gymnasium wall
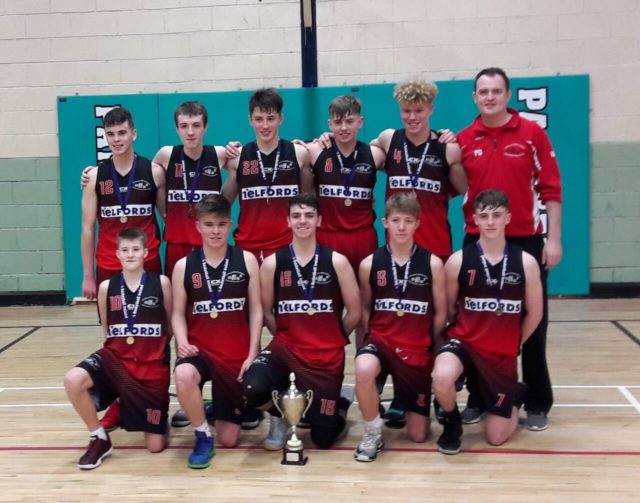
51	48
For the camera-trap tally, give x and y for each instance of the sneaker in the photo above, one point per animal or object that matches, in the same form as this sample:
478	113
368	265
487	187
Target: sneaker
180	419
471	415
372	443
203	450
98	450
277	437
111	419
537	421
438	411
251	419
394	418
348	392
449	442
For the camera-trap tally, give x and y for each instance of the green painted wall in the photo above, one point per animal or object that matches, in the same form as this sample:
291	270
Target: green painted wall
31	257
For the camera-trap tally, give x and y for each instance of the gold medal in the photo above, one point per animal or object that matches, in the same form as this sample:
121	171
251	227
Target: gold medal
190	212
213	313
123	219
130	340
499	311
400	313
311	311
348	202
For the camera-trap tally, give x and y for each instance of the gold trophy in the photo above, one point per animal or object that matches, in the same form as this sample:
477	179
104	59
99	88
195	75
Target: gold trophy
293	405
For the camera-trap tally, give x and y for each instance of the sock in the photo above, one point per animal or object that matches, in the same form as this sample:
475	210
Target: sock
100	433
374	424
204	428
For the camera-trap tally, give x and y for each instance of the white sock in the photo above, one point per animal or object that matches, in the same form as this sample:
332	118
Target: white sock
100	433
374	424
204	428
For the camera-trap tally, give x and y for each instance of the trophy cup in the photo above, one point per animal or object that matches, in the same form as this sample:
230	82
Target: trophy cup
293	405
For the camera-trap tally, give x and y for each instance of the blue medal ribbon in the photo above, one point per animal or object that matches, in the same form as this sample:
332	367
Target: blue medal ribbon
124	200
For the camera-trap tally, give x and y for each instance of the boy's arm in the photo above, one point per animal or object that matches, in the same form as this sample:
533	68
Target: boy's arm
439	301
366	295
87	238
168	301
159	176
267	294
532	296
230	187
451	272
102	307
162	157
306	176
255	312
178	312
350	292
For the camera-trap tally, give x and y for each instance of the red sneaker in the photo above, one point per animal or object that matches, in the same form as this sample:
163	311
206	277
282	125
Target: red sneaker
111	419
98	450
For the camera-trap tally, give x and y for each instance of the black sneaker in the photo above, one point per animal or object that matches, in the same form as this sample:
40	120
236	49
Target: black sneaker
471	415
449	442
251	419
394	418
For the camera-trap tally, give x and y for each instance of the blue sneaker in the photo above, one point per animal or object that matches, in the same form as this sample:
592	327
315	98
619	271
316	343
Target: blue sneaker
202	452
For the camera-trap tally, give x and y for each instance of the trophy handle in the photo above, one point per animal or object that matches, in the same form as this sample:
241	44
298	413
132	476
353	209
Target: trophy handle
309	395
275	397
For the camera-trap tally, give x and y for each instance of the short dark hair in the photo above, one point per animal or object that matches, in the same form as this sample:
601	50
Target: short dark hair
191	109
344	105
492	71
491	199
402	202
266	99
131	234
213	204
304	199
116	116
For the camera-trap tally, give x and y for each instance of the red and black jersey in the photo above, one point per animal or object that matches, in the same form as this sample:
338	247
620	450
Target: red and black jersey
354	180
226	337
516	158
297	329
433	188
140	211
478	321
413	329
181	176
148	340
264	206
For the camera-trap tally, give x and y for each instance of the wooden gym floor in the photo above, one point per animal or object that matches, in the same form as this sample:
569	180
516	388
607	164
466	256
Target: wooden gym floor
591	452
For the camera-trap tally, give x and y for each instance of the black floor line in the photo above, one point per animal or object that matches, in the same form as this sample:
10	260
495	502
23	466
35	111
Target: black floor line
626	332
16	341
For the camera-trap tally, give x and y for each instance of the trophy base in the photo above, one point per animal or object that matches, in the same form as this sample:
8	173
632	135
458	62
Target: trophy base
293	457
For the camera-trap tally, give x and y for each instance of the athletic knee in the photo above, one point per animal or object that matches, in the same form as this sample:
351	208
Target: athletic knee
325	436
256	393
156	443
496	438
366	369
76	380
186	376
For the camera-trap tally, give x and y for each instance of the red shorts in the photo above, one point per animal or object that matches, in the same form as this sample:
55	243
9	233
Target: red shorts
411	373
355	245
152	265
144	405
173	253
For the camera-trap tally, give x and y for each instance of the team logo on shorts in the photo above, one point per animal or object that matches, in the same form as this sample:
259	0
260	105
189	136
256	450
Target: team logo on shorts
141	185
151	302
210	171
418	279
236	277
93	361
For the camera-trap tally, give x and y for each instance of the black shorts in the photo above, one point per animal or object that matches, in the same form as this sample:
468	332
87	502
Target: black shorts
225	388
497	377
411	373
144	405
272	368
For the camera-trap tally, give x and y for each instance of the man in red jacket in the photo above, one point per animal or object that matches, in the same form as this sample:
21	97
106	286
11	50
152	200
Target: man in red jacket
502	150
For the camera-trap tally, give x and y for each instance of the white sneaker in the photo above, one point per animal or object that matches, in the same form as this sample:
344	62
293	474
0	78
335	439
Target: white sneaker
277	437
370	446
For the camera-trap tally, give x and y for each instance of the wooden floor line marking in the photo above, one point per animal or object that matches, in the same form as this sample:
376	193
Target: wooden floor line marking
632	399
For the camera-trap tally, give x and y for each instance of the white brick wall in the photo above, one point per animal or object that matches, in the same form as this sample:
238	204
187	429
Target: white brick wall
61	47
